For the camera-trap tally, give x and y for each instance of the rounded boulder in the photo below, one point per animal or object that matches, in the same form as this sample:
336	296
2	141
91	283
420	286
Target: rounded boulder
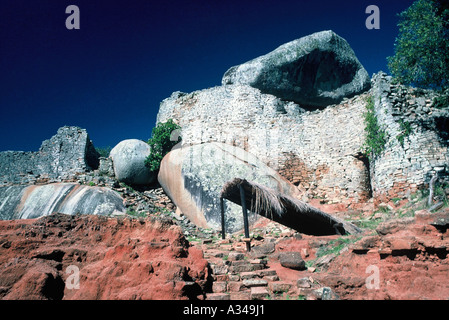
128	159
292	260
314	71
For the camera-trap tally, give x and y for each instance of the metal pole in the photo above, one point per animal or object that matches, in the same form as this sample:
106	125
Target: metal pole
245	218
223	236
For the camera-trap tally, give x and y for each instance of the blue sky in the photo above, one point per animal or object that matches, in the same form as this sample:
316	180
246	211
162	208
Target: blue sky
110	75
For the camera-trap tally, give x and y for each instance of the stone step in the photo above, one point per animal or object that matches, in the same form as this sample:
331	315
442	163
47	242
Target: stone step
236	286
218	296
249	283
241	295
220	286
246	268
236	256
239	275
279	286
249	275
266	272
259	293
219	269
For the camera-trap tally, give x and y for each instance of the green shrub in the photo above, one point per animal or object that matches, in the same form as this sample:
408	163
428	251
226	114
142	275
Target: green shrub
406	130
376	136
161	144
441	101
104	151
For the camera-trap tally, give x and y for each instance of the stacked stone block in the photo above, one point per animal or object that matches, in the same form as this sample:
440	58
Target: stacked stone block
402	169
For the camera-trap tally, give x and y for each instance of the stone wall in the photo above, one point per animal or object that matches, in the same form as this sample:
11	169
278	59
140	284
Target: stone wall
317	150
320	151
404	168
67	153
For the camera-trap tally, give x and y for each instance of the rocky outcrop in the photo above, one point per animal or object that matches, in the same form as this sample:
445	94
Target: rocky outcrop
193	177
28	202
315	71
128	159
67	153
98	258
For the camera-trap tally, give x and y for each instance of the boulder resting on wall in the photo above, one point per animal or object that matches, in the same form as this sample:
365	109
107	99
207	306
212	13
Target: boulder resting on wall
193	177
317	70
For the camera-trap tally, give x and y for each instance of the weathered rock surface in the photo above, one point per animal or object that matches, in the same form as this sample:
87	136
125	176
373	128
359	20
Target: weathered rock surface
28	202
317	70
193	176
129	162
406	260
67	153
117	259
106	167
292	260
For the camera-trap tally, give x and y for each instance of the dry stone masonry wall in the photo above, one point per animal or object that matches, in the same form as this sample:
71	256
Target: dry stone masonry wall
319	151
67	153
407	166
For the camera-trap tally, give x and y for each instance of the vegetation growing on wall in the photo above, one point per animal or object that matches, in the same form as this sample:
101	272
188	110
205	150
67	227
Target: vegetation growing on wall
406	130
376	136
442	101
104	151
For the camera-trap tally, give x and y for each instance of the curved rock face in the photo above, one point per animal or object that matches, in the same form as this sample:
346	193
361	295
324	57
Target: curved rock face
129	162
193	176
28	202
317	70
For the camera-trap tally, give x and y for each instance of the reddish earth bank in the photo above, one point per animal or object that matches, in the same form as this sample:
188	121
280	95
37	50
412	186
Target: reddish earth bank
113	258
123	258
409	256
401	259
404	259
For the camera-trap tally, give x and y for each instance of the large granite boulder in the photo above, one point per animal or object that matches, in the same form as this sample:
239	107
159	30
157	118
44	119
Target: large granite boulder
29	202
193	177
128	158
314	71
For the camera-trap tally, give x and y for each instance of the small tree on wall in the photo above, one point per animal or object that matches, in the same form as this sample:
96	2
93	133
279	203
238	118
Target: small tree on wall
161	142
376	136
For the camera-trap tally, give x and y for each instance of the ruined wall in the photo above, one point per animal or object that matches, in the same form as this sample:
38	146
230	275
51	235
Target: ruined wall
67	153
319	151
404	168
